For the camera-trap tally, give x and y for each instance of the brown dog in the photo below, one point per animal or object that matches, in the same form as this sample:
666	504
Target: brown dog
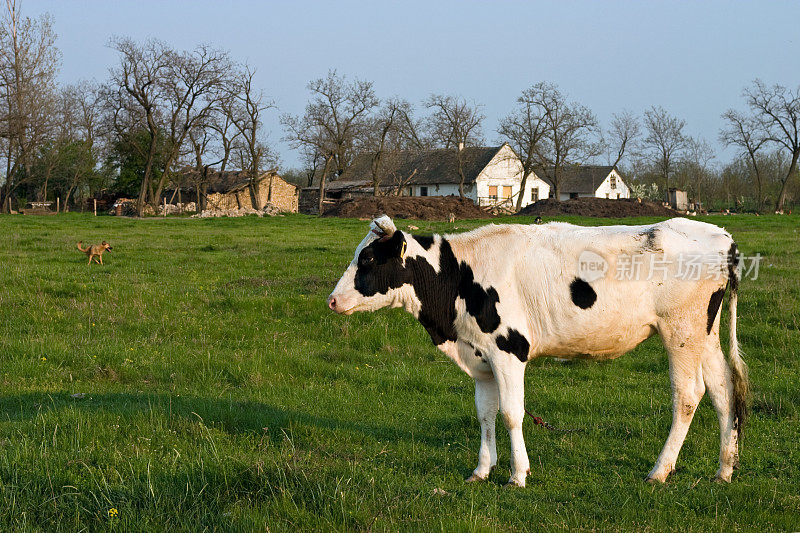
95	251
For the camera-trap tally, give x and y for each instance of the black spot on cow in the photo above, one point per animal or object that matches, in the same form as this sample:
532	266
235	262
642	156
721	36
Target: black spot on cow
514	343
733	267
650	237
582	293
481	303
426	241
380	268
713	307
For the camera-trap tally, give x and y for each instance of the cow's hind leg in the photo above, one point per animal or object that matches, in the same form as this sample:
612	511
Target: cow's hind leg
719	384
487	404
685	347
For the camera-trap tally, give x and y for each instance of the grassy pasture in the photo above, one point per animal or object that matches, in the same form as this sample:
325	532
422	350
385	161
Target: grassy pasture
217	392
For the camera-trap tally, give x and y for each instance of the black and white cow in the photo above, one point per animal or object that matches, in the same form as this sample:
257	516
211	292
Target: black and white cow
496	297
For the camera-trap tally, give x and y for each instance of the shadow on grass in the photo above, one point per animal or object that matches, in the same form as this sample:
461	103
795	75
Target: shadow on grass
232	416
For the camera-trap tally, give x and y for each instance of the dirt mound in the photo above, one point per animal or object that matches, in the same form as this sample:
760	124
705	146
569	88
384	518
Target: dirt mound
416	208
598	207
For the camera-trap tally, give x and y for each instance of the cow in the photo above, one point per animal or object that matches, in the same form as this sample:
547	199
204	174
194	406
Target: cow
496	297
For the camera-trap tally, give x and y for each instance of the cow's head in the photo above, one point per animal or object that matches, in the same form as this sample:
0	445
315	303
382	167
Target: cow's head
376	273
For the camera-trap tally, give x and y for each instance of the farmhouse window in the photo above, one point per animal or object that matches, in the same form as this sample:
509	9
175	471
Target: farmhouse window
613	181
492	192
506	192
608	195
573	195
423	191
534	194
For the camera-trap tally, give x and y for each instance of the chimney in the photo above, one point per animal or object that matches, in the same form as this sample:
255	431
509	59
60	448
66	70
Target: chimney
460	146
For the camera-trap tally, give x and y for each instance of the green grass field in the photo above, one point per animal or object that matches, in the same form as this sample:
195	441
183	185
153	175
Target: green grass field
215	391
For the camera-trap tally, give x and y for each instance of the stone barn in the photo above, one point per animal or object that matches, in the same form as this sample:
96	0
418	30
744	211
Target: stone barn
233	189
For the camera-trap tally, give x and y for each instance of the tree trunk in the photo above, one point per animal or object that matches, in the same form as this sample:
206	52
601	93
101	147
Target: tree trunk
161	183
376	184
322	186
255	195
785	185
66	199
148	170
760	192
44	187
522	184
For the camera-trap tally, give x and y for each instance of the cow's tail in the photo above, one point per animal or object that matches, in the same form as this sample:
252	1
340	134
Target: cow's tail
741	382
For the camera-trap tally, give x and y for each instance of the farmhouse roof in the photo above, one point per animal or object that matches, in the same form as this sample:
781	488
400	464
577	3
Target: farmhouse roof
583	179
224	182
418	167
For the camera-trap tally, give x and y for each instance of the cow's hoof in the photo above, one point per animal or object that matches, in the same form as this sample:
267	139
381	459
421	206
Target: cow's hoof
722	479
514	484
658	478
474	478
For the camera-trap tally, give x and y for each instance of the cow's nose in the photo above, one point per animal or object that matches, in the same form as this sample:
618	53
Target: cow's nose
332	302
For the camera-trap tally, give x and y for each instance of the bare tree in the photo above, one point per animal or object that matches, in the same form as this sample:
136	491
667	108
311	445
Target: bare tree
314	161
568	131
29	63
456	124
623	135
192	87
745	133
665	141
82	117
170	92
525	129
697	159
201	138
248	106
334	118
777	109
389	131
134	92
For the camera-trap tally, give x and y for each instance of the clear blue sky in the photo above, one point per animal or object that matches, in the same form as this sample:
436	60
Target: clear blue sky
693	58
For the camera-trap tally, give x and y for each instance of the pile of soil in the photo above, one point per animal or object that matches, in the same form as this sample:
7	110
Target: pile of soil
598	207
415	208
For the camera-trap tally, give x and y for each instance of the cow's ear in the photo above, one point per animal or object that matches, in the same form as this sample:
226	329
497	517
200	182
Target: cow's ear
394	246
383	227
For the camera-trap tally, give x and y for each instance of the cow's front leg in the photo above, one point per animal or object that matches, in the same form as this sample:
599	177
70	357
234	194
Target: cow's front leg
487	404
509	373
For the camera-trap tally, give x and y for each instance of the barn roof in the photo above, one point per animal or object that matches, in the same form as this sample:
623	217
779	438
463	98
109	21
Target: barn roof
584	179
423	167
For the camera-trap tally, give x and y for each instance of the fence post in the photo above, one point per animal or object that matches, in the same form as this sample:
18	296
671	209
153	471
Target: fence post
58	204
95	207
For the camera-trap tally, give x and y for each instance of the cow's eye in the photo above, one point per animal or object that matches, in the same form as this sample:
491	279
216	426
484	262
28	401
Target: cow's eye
367	260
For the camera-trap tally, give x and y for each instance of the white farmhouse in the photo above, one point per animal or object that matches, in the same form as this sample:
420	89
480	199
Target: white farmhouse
590	181
492	175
